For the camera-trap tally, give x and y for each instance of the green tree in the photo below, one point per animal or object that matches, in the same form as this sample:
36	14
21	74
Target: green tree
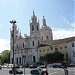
41	59
54	57
57	56
0	59
49	57
5	57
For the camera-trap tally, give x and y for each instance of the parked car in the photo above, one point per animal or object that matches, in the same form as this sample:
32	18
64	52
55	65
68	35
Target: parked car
33	66
57	65
35	72
71	65
16	71
43	70
49	65
42	66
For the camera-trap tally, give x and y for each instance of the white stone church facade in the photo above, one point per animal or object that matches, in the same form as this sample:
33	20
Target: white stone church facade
26	48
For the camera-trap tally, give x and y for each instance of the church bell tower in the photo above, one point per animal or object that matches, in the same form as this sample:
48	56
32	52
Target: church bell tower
35	37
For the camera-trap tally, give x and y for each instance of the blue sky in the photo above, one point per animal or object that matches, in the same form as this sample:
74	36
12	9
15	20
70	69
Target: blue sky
59	15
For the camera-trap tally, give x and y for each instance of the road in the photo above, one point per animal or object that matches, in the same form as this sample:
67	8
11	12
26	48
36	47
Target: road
51	71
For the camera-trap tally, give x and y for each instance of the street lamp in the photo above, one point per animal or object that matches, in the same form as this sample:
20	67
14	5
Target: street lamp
24	57
13	22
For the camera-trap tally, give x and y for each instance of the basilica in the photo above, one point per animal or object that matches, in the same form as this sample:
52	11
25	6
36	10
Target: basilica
28	49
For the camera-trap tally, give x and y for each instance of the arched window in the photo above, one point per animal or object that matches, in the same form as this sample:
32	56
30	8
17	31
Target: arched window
34	59
33	43
32	27
37	28
23	45
17	60
20	60
72	44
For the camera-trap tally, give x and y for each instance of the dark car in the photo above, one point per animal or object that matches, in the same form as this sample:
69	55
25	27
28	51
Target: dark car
33	66
16	71
57	66
35	72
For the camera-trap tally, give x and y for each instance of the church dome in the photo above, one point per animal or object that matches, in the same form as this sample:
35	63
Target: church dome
46	32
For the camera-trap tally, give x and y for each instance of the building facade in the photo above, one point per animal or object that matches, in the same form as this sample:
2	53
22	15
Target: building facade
71	51
26	48
65	46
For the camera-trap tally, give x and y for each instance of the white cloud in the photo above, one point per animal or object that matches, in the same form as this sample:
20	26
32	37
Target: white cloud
67	22
59	33
73	25
4	45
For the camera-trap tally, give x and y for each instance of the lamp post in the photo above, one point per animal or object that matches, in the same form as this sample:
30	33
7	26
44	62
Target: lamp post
24	57
13	22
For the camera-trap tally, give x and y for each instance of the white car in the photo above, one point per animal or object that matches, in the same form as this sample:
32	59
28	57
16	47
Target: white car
42	70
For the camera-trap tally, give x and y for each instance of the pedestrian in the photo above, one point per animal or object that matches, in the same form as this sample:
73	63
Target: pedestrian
65	67
44	73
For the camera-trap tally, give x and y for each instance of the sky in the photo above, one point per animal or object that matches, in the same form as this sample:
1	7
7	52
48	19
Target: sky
59	15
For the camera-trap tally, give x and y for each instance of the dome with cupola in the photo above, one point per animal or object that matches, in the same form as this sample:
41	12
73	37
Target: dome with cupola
46	31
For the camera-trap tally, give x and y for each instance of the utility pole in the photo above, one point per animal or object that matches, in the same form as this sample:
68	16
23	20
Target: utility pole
13	22
24	57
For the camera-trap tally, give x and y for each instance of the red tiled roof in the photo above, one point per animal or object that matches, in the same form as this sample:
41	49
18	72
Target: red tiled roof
59	41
